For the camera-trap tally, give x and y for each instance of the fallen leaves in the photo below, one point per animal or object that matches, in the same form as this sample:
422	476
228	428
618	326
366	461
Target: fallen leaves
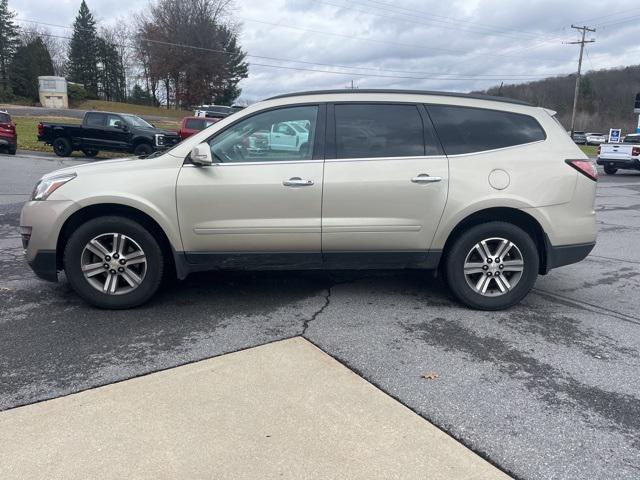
429	376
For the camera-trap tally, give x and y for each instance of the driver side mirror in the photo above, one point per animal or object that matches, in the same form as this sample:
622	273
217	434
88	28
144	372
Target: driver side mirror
201	154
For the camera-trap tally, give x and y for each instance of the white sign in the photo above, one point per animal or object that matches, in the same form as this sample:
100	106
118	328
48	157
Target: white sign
614	135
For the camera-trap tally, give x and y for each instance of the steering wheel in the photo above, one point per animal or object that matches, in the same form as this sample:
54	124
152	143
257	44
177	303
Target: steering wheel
239	152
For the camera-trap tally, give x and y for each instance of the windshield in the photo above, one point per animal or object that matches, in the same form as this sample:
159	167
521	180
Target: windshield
137	121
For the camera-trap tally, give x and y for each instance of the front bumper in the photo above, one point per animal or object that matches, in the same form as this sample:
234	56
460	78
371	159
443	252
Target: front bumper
631	164
40	225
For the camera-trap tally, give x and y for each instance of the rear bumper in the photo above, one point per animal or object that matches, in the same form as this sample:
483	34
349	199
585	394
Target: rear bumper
561	255
631	163
8	142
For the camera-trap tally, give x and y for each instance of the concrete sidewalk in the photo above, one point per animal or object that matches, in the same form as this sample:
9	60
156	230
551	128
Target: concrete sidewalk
282	410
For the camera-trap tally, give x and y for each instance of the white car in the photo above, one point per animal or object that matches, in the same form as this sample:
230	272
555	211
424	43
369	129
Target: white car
596	138
488	191
288	137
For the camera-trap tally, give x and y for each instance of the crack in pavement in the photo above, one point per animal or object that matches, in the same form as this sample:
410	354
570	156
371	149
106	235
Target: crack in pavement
317	313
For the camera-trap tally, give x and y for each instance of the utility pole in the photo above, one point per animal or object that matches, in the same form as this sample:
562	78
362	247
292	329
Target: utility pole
584	29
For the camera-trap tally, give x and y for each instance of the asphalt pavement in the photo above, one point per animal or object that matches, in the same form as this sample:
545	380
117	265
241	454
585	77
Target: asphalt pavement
547	390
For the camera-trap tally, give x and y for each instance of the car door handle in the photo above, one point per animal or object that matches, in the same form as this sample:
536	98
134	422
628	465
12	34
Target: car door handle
297	182
425	178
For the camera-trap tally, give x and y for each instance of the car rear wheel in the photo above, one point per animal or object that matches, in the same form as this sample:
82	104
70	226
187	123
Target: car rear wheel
12	150
142	150
610	170
492	266
113	262
62	147
90	152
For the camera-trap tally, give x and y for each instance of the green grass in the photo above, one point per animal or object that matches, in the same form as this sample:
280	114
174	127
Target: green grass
27	128
591	150
141	110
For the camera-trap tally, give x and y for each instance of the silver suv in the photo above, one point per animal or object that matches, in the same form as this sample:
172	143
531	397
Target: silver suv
490	192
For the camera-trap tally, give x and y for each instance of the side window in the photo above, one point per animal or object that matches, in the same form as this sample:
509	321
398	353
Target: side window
94	120
379	130
467	130
194	124
113	119
255	139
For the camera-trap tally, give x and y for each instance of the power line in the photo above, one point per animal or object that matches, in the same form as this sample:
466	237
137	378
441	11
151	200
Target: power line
428	75
457	21
584	29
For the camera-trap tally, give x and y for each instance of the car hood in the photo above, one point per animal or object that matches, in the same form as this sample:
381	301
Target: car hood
102	165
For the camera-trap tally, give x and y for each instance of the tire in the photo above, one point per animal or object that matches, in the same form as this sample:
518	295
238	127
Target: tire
610	170
126	294
62	147
463	250
142	150
12	150
90	152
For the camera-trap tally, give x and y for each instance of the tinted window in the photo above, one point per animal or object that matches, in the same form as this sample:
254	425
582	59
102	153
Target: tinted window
94	120
194	124
632	139
4	118
467	130
378	130
258	138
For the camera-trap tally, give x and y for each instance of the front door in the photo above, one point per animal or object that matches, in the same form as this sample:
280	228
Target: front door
256	206
386	187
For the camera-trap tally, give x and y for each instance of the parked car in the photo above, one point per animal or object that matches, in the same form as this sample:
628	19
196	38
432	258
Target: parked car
8	133
596	138
109	131
488	191
616	156
580	138
192	125
212	111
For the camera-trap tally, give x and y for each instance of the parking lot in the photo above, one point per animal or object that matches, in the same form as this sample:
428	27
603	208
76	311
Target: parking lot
547	390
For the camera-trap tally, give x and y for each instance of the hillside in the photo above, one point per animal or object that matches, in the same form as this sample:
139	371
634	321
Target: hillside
606	98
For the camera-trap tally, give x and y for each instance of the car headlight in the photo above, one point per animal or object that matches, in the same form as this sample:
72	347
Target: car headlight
47	186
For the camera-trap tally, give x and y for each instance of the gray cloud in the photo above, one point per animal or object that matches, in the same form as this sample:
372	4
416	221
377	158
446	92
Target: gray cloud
435	43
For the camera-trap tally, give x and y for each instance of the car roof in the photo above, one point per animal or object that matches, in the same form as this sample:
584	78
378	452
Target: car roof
475	96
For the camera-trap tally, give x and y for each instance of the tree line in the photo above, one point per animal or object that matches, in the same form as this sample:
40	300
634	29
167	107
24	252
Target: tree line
178	53
606	98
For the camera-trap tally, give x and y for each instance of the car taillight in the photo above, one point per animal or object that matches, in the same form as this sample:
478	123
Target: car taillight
40	129
599	149
585	167
635	151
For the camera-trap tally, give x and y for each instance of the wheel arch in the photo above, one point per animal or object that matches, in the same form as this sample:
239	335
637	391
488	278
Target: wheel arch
110	209
503	214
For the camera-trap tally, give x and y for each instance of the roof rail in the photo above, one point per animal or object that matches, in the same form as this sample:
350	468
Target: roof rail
476	96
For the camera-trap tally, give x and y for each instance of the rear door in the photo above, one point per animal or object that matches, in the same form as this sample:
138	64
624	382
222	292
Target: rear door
92	129
385	184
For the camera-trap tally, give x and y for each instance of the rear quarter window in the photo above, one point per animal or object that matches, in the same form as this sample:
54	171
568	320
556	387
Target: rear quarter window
469	130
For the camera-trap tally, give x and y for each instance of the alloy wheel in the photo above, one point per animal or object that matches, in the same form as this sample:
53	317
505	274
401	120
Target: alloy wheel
113	263
493	267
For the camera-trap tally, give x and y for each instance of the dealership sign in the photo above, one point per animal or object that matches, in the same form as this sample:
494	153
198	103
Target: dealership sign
614	135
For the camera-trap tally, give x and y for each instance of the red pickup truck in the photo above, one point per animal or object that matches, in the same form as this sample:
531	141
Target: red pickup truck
8	134
192	125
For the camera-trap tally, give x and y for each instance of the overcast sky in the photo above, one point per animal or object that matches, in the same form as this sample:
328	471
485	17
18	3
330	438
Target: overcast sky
457	45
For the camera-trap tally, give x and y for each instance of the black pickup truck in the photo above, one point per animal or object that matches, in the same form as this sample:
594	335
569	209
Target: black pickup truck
118	132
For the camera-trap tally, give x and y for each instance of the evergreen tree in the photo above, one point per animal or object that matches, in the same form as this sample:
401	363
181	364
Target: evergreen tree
235	69
111	78
83	51
30	61
8	44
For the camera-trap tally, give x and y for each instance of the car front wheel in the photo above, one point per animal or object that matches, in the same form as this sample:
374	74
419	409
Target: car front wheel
492	266
113	262
610	170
